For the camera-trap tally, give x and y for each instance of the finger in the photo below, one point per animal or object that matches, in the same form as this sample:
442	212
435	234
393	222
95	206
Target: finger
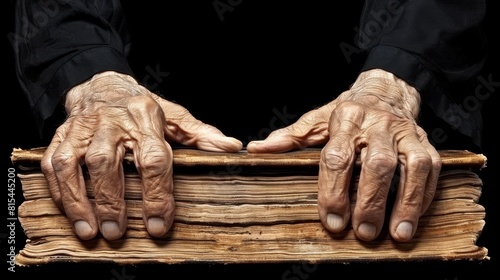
419	173
278	141
66	161
47	167
433	177
378	163
104	162
158	199
209	138
335	170
183	128
311	129
153	158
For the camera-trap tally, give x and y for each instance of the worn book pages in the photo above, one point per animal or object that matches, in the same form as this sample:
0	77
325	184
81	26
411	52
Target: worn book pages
246	208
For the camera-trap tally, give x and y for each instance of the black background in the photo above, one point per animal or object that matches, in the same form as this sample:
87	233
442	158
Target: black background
235	73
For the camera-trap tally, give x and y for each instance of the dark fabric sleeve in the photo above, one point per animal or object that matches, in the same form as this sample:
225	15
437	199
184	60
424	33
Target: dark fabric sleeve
61	43
436	46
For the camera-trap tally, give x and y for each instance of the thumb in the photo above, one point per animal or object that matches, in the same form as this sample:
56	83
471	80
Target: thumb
194	133
209	138
310	129
278	141
183	128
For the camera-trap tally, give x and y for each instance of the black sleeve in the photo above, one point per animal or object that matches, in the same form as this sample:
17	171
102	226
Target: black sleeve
59	44
436	46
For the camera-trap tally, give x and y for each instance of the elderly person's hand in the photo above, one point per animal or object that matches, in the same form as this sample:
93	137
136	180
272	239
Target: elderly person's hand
109	115
376	120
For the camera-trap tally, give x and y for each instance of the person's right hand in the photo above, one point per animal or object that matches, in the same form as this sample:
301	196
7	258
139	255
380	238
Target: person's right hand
109	115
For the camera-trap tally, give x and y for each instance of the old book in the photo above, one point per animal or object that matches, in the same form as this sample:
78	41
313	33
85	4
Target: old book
246	208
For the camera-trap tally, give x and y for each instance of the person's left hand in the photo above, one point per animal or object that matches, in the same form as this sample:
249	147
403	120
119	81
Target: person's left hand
374	120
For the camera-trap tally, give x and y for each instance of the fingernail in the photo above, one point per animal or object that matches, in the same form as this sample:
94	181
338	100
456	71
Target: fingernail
335	222
404	230
251	144
83	229
367	231
110	230
156	226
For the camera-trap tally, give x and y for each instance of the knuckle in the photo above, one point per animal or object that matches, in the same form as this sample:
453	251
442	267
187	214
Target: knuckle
159	204
349	106
333	203
336	158
109	205
98	159
56	197
61	160
157	201
381	163
420	162
373	201
155	162
371	210
46	165
437	163
143	104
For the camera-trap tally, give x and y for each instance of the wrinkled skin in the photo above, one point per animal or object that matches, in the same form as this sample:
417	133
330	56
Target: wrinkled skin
111	114
108	116
376	120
